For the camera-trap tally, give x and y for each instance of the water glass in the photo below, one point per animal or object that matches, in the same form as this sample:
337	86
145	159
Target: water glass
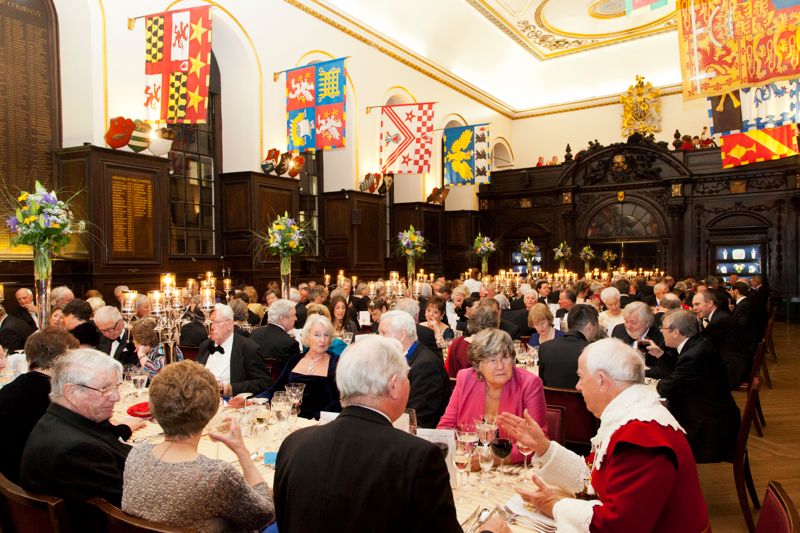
139	379
486	460
347	337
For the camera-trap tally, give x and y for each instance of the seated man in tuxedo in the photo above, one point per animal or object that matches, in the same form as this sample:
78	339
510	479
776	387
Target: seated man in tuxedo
234	360
27	310
425	335
698	392
718	326
558	358
74	452
78	321
274	338
566	301
385	479
430	384
638	331
623	285
13	331
115	339
543	289
511	321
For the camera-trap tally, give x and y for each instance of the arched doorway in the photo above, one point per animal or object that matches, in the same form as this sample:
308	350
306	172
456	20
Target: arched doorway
634	229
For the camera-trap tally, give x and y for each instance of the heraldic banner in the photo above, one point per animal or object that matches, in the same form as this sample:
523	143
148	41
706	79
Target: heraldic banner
772	105
315	106
758	145
405	138
177	66
726	45
466	155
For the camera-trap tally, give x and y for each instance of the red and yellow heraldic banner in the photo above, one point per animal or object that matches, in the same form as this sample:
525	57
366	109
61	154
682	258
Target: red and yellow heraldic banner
730	44
758	145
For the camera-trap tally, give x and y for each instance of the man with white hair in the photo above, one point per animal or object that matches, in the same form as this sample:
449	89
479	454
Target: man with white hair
118	290
384	478
235	361
425	334
27	310
641	475
61	296
74	452
274	339
638	331
115	339
429	380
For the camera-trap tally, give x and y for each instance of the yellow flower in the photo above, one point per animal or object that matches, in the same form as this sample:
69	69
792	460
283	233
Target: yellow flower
55	225
22	197
292	244
408	252
294	227
278	227
30	219
413	238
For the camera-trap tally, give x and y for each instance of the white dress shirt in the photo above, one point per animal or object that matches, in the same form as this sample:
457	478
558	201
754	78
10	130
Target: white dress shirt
219	364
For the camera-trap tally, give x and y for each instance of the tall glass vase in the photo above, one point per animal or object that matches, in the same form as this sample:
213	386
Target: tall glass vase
43	275
561	264
411	272
587	267
529	264
484	265
286	275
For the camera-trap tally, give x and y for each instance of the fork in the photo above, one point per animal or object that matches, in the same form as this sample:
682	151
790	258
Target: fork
528	521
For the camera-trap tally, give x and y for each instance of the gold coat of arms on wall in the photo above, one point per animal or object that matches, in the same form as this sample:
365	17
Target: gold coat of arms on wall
641	108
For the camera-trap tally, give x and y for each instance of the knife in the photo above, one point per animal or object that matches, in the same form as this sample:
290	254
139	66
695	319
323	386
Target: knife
470	517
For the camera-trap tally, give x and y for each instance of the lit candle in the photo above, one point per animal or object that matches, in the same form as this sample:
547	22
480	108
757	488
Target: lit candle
212	282
209	275
129	300
371	286
207	298
417	287
226	284
327	279
2	292
191	285
156	300
353	280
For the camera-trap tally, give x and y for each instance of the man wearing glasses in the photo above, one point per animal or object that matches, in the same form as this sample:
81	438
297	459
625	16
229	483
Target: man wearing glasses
115	339
74	451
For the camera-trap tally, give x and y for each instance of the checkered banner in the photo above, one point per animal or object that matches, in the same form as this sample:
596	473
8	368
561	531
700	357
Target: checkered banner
405	138
177	66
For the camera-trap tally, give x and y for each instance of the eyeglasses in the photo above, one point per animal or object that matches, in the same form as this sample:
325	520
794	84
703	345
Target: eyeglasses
105	391
112	328
498	361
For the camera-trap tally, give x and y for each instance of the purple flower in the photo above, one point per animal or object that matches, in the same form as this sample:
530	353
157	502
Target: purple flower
50	198
12	223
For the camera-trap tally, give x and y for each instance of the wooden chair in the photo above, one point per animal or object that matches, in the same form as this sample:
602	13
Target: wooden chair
581	425
110	519
758	358
275	367
769	347
557	423
742	477
25	512
189	352
778	513
768	332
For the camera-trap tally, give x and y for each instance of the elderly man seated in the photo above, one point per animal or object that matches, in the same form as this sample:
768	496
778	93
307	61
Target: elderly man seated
115	339
74	452
641	476
638	331
358	473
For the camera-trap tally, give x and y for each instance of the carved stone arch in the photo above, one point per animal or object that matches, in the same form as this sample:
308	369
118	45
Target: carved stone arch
737	221
640	217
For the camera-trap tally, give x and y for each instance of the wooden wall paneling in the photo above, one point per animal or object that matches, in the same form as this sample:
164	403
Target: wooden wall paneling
427	218
460	228
354	233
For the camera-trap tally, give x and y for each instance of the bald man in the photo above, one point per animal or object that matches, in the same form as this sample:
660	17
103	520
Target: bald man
27	309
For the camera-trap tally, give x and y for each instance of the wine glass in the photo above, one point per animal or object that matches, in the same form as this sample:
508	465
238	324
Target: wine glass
139	380
501	446
281	408
246	418
347	337
294	391
525	451
486	460
467	435
486	427
461	461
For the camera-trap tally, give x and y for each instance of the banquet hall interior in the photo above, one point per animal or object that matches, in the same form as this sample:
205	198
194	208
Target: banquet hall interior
200	147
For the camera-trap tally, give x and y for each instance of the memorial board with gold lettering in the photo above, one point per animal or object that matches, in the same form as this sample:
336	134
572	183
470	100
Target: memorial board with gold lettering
130	230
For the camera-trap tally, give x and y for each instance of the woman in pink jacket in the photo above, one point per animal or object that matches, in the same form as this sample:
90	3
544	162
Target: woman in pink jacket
494	385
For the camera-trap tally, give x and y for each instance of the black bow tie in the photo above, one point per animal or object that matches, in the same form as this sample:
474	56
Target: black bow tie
215	348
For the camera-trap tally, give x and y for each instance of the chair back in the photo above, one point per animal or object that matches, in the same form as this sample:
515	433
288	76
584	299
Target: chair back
190	352
581	425
23	512
111	519
557	423
778	512
758	360
747	419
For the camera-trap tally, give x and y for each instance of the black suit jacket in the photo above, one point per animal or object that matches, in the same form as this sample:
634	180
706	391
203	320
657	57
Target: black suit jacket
87	334
744	314
517	303
74	458
700	400
358	473
23	314
248	370
194	333
426	337
302	315
518	317
276	343
732	344
430	386
656	367
125	352
13	333
558	360
22	404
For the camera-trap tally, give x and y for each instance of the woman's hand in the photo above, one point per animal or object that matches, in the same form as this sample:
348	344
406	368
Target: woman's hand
232	439
540	497
525	430
133	423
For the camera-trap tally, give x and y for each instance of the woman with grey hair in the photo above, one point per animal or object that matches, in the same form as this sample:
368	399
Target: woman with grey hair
457	353
612	316
316	369
240	323
494	385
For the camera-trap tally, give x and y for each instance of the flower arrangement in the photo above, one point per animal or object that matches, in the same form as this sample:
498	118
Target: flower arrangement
562	252
285	237
587	254
527	249
412	245
609	257
483	247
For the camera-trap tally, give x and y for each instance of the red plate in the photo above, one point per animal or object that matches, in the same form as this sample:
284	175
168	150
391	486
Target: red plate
140	409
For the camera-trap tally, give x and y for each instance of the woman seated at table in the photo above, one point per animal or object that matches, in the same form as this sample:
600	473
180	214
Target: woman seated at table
337	346
240	323
149	348
494	385
434	311
25	400
339	317
172	483
541	319
457	353
470	305
316	369
612	316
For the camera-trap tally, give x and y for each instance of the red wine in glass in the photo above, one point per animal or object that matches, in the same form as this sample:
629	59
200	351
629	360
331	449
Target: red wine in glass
501	447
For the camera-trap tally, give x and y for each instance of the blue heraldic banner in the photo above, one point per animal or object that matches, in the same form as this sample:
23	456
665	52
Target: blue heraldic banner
466	155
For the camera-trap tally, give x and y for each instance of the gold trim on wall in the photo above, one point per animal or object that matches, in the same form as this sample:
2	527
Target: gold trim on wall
401	88
258	64
636	32
463	120
105	65
508	145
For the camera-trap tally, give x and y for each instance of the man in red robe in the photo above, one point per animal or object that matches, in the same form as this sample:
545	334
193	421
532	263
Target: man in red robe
640	476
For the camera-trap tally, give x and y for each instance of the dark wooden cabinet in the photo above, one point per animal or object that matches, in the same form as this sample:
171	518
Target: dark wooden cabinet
354	234
429	219
461	227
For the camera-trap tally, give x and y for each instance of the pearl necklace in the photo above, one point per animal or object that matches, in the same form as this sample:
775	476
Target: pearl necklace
313	362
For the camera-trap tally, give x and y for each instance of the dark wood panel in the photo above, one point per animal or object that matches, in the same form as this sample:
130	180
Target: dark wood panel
235	202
